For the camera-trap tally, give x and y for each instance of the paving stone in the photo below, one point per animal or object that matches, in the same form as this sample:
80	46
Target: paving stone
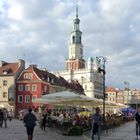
17	131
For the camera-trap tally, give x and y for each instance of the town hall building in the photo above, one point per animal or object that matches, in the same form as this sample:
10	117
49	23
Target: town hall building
76	68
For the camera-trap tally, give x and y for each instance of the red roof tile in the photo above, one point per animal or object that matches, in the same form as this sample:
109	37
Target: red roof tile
60	81
9	68
110	89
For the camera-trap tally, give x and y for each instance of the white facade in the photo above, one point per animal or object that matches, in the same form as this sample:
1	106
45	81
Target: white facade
75	51
88	77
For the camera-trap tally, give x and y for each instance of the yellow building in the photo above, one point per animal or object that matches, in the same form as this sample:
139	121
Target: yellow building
8	74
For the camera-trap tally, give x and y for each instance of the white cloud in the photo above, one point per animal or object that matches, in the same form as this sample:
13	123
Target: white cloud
15	12
41	30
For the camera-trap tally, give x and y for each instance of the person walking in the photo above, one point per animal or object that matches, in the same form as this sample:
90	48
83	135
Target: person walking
5	116
44	120
137	118
10	115
30	122
96	124
1	118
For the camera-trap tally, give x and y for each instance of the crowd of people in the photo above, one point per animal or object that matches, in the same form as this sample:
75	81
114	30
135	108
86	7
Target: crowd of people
66	119
63	119
4	115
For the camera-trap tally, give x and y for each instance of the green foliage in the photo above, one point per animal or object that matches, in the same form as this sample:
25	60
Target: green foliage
42	107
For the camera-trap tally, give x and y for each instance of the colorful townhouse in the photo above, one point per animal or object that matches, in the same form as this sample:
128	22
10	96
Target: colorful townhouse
8	75
33	83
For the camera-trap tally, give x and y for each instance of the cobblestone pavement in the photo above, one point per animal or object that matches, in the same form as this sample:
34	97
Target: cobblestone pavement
16	131
125	132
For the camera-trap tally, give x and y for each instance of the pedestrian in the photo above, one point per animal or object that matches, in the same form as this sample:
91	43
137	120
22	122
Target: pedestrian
1	118
5	116
10	115
96	124
30	122
137	118
44	120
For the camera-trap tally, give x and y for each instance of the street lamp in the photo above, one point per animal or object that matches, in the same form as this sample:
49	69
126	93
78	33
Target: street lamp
101	68
116	89
136	99
127	89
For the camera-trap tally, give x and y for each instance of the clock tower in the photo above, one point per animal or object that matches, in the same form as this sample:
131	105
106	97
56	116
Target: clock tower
75	60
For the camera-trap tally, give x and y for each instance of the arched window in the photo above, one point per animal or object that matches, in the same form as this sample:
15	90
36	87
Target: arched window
73	39
28	76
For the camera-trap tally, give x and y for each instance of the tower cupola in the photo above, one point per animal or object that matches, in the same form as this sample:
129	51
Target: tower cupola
75	60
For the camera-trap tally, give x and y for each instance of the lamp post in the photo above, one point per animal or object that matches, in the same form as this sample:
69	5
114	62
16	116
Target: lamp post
136	99
101	68
116	89
127	89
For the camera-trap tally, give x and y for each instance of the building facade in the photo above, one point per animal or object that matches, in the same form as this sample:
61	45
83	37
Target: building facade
33	83
8	75
76	69
127	97
111	94
135	98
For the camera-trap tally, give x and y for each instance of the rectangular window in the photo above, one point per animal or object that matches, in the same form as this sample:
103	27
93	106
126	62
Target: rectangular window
20	87
20	98
27	87
27	99
4	82
34	97
30	76
34	87
86	87
4	94
45	88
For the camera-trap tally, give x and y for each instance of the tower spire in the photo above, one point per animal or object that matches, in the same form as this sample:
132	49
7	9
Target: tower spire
77	9
75	60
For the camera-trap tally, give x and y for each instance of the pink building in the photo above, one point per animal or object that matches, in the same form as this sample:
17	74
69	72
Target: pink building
33	83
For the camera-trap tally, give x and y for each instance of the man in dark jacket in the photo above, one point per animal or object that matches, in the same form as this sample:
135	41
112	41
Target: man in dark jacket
137	118
1	117
30	122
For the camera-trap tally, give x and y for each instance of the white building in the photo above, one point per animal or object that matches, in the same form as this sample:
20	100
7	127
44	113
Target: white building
88	77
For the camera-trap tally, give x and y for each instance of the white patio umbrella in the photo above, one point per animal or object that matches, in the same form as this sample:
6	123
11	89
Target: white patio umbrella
71	99
43	101
79	103
61	96
82	101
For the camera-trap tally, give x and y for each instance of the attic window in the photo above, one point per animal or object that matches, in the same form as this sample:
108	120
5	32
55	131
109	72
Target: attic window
4	72
28	76
7	71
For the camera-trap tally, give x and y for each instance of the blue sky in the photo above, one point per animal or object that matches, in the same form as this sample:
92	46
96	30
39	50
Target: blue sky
39	31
